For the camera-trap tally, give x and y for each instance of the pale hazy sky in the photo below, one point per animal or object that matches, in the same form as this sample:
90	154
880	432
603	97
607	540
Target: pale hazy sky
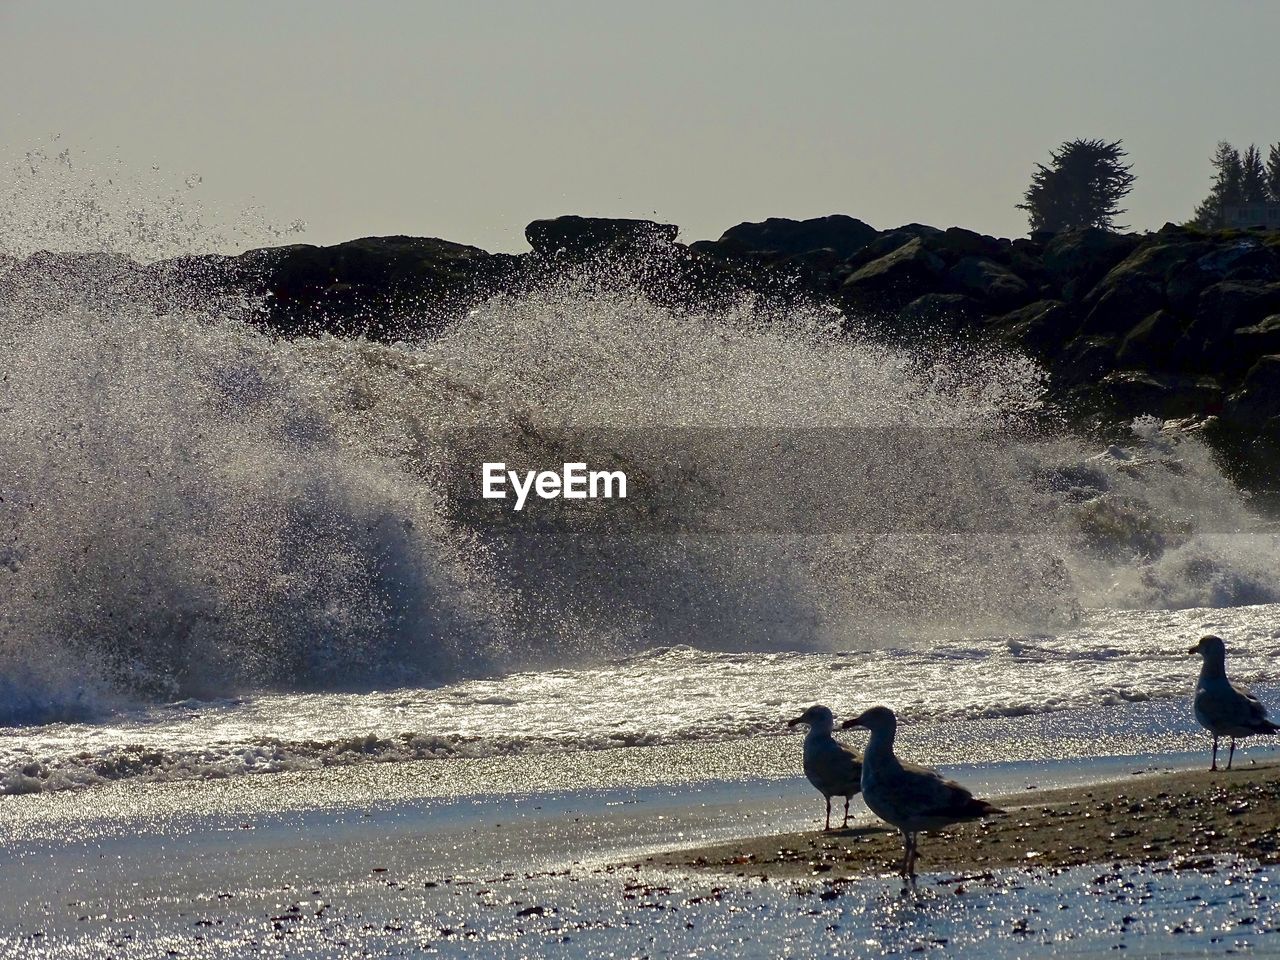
467	120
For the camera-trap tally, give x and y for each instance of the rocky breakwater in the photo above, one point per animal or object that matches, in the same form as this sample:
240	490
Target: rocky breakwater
1175	323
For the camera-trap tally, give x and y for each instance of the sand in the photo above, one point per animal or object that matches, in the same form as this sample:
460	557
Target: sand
229	869
1181	818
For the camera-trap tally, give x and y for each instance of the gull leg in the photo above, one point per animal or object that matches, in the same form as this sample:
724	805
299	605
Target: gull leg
915	852
1214	765
846	811
906	852
828	826
1231	755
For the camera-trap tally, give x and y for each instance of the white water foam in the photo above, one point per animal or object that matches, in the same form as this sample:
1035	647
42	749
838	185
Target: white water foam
190	507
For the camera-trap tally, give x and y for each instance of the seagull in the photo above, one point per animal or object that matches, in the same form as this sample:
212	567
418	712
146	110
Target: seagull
834	769
907	796
1224	708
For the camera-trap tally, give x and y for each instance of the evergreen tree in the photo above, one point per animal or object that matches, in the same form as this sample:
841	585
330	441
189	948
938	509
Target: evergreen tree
1253	177
1273	172
1228	186
1082	187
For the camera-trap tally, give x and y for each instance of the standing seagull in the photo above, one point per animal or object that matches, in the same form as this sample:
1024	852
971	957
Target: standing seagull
1222	707
909	797
832	767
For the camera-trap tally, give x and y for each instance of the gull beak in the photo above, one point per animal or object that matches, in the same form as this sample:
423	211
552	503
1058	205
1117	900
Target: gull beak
1195	649
855	722
792	723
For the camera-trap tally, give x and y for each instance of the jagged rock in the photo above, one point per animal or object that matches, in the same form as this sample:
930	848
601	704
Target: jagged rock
939	312
990	281
1077	259
1157	262
1129	393
1257	340
1136	287
1246	261
1156	343
1121	304
1184	284
375	286
889	241
893	281
1179	233
1226	307
1086	359
779	237
1041	326
1249	432
956	243
1256	405
579	236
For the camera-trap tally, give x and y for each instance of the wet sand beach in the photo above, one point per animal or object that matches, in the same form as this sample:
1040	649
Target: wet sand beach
1181	818
381	860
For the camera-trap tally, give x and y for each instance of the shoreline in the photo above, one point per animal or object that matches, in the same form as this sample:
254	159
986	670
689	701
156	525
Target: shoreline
1180	818
318	865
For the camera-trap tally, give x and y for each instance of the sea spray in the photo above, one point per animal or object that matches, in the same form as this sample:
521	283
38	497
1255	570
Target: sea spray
193	507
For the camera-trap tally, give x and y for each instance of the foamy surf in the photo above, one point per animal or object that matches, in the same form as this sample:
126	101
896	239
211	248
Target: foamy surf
194	510
670	696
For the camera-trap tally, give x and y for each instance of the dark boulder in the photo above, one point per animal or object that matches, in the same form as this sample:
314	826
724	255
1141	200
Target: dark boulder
1042	327
1179	231
1156	343
779	237
582	236
881	246
956	243
1125	394
1085	359
1246	261
1077	259
1121	304
381	287
894	280
990	281
940	312
1137	286
1250	426
1255	407
1185	283
1225	307
888	241
1248	344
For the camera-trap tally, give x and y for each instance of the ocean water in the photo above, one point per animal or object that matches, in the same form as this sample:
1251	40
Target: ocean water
223	553
330	863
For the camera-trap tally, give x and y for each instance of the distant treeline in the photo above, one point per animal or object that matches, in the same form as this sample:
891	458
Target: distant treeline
1085	181
1239	179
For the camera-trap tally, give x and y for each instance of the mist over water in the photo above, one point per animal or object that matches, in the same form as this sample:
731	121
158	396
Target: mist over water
190	507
